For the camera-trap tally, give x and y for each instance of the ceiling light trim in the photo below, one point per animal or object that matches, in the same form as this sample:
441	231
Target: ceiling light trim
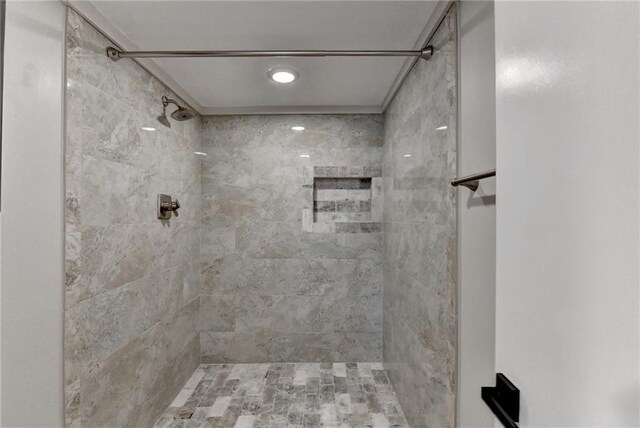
287	71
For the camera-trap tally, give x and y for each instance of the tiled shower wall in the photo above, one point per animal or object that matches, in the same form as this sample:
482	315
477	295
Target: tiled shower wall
270	290
132	281
420	236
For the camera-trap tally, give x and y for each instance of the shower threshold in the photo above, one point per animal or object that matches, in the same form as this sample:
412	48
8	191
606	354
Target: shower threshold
286	395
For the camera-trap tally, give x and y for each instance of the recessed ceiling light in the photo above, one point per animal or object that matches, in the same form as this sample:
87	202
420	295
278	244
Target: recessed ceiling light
148	128
407	156
283	75
298	128
440	128
305	156
200	153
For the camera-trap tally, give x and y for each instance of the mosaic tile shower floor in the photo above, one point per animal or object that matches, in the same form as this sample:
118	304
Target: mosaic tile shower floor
284	395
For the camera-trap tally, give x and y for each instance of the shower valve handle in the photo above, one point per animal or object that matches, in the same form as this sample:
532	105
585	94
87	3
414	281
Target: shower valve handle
170	206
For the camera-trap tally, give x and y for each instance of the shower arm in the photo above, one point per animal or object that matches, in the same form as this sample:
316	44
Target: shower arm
166	101
117	54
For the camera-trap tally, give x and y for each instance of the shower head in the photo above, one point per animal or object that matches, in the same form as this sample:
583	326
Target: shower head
182	113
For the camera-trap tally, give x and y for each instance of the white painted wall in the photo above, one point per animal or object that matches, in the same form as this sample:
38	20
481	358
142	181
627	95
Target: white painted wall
476	212
568	137
32	215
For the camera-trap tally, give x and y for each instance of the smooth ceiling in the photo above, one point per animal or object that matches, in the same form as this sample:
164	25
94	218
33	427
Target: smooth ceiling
241	85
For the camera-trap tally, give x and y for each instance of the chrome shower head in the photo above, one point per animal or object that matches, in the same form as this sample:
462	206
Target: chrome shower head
182	113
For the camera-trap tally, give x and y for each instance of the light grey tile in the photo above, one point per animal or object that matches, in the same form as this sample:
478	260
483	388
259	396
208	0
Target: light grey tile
420	242
284	240
217	240
343	194
132	282
134	384
284	277
307	220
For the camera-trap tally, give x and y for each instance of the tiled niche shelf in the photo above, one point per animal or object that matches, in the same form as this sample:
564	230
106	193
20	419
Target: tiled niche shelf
343	199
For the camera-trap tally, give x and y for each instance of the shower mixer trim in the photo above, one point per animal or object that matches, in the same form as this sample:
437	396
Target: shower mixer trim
166	207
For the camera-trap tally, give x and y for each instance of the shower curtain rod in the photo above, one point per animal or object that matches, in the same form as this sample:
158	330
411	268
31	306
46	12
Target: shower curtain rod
117	54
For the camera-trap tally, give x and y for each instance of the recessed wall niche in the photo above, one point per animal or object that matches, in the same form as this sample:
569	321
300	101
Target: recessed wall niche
343	199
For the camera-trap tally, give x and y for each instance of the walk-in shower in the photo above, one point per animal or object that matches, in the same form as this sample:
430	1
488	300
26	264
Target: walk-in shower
308	280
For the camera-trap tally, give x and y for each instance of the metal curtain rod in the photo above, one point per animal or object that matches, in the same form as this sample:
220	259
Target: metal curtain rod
472	181
117	54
